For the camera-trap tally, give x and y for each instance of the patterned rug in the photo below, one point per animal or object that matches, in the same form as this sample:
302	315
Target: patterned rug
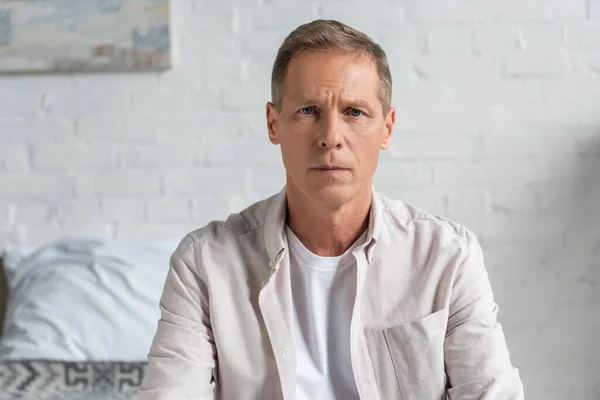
56	380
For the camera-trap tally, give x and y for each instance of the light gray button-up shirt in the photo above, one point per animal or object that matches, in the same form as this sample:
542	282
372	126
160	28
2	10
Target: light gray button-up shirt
424	324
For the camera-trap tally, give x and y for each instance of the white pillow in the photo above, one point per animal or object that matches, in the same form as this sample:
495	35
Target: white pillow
84	299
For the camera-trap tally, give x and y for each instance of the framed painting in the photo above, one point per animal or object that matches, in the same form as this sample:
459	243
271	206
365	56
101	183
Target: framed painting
84	35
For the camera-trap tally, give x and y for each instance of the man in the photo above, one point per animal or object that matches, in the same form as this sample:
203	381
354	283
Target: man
329	290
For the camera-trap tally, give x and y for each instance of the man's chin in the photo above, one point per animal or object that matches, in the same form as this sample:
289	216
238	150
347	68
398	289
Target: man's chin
334	195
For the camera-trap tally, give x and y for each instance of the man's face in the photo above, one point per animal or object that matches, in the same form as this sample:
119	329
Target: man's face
331	126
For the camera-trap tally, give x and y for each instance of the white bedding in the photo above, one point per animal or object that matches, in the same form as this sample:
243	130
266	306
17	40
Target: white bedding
84	299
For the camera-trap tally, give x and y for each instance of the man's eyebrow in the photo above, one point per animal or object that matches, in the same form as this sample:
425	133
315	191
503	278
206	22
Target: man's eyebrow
362	103
307	100
356	102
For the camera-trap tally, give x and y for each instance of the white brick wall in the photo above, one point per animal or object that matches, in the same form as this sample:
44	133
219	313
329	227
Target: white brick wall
498	127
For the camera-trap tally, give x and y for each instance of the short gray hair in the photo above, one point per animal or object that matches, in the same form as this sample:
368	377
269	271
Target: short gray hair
329	35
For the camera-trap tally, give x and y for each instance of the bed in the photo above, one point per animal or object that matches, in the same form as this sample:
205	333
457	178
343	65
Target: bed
77	317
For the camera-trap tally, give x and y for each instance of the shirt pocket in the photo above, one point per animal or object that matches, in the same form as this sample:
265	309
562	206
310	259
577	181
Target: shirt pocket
409	358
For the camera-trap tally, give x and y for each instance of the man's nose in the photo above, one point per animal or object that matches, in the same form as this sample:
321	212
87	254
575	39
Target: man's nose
331	136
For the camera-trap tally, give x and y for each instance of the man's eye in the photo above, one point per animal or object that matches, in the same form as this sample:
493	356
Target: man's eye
355	112
306	110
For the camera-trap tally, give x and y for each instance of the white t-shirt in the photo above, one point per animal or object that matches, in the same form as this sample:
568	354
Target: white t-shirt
323	290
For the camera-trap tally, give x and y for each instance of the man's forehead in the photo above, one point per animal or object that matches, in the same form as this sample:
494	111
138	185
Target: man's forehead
338	65
315	91
308	86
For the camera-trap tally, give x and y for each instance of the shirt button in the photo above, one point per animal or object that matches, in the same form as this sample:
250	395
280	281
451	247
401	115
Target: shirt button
283	353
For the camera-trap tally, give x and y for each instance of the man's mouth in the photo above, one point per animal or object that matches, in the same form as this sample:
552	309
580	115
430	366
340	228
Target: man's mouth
330	168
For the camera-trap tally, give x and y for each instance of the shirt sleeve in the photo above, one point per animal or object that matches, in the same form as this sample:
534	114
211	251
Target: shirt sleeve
181	360
477	359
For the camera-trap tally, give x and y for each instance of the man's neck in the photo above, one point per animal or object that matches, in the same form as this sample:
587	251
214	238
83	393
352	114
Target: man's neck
324	231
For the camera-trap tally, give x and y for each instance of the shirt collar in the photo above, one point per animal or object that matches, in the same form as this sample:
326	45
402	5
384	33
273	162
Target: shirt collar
275	241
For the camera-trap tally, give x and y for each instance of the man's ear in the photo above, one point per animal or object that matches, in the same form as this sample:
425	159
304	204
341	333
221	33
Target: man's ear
390	120
272	115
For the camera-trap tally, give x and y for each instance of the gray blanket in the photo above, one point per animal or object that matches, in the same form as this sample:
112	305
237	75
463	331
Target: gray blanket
56	380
